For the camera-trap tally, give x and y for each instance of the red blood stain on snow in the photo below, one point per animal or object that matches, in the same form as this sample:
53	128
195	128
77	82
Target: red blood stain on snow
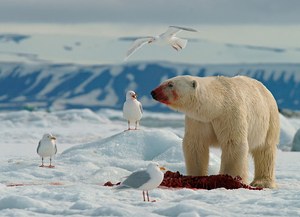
32	184
56	183
15	184
177	180
110	184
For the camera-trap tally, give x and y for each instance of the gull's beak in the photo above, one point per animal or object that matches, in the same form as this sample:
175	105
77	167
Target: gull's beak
134	96
150	41
53	137
162	168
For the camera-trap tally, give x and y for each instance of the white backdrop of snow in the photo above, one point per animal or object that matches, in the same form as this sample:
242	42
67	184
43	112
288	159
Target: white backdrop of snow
83	168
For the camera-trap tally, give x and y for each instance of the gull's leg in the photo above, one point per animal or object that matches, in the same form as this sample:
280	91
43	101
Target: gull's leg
179	46
136	125
128	125
144	195
148	196
50	166
176	48
42	162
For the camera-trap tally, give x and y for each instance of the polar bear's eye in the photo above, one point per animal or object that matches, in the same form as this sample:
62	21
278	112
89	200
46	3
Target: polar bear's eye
170	85
194	84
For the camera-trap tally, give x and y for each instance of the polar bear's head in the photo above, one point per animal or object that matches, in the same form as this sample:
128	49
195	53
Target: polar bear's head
177	93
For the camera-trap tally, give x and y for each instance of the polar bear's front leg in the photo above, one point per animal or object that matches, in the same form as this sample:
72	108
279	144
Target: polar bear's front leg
197	139
196	156
234	160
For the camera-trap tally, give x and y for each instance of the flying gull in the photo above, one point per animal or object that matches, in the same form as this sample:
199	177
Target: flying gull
132	109
144	180
168	37
47	148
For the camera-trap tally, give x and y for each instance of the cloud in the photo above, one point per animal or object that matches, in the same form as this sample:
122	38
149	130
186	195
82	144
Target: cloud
154	11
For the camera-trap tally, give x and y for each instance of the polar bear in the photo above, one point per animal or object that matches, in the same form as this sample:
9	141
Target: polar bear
237	114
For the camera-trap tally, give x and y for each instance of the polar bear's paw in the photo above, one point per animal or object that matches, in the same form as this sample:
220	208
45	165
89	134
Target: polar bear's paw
263	183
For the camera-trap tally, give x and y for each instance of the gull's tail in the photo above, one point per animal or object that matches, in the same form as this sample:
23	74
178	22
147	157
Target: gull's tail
121	187
178	43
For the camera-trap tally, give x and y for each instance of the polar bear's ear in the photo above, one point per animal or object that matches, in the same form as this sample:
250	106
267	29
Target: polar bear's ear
194	84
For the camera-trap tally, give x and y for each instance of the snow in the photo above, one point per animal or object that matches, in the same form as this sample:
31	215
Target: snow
288	130
94	148
296	141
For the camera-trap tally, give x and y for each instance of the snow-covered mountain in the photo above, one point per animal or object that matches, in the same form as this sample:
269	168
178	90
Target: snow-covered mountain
16	38
66	86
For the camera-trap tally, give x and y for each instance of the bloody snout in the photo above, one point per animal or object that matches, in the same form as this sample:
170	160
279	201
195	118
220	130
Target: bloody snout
153	94
159	95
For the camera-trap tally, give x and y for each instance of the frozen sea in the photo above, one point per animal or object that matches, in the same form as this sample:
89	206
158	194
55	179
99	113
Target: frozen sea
94	148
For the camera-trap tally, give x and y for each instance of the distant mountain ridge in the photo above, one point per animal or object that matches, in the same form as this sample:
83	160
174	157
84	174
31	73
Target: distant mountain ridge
16	38
66	86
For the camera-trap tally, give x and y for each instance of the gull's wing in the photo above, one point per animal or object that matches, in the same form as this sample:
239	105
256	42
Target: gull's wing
137	44
141	107
37	150
173	30
135	180
184	28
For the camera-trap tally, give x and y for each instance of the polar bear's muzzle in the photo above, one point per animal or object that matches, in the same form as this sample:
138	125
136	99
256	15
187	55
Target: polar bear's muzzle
159	95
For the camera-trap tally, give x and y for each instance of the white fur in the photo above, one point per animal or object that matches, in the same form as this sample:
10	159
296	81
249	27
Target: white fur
238	115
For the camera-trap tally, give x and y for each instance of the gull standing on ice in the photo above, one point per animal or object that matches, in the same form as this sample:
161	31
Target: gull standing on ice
144	180
132	109
47	148
168	37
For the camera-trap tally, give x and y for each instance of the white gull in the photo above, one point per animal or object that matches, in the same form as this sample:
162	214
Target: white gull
47	148
168	37
132	109
144	180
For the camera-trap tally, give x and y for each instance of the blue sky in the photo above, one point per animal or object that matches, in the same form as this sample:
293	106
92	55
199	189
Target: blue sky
192	12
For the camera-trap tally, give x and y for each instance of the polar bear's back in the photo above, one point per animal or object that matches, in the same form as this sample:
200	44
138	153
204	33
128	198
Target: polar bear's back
248	91
259	105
